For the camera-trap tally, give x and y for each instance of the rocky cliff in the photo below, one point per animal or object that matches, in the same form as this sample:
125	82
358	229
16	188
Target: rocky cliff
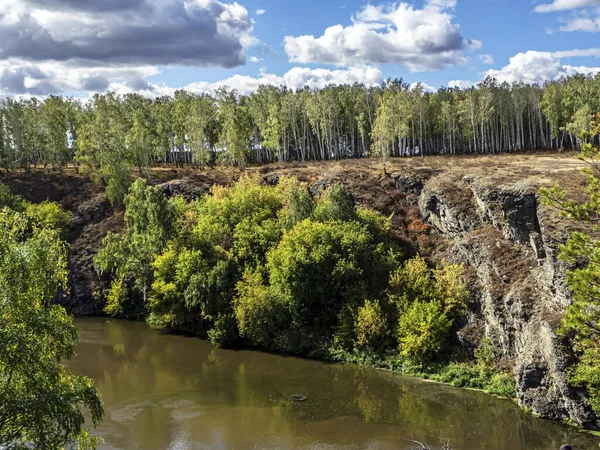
510	243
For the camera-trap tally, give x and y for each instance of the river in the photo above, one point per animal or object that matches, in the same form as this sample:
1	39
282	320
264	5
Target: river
165	391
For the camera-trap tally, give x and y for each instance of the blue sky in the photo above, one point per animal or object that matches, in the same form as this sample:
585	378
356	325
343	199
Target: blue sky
79	47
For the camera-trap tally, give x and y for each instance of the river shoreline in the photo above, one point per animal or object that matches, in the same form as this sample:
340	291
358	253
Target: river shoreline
358	364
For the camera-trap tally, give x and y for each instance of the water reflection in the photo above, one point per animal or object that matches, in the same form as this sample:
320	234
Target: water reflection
173	392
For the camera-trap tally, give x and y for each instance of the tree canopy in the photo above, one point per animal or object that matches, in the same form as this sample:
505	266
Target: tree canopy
41	403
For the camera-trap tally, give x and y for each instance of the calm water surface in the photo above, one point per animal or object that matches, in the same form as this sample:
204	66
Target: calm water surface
172	392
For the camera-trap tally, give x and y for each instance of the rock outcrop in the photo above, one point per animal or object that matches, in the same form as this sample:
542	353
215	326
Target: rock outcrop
91	220
500	233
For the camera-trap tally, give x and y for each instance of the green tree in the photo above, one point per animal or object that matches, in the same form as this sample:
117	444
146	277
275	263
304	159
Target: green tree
320	267
41	403
150	219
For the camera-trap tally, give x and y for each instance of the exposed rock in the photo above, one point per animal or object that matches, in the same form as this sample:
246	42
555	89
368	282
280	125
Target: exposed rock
91	221
322	184
520	288
93	210
185	188
408	184
272	178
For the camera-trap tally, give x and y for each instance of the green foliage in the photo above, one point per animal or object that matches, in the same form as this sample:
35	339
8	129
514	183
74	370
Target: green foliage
371	327
336	204
261	312
485	354
586	374
322	266
422	331
41	403
444	284
8	199
269	266
150	218
49	215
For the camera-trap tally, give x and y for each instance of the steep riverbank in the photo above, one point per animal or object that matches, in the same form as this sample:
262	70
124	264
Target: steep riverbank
484	212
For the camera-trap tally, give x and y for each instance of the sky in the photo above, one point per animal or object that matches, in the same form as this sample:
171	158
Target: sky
154	47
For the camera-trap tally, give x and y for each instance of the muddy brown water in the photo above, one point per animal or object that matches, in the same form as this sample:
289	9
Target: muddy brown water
173	392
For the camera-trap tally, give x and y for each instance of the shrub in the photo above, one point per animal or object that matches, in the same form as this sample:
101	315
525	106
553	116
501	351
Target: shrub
223	332
336	204
7	198
586	373
321	267
371	326
260	310
49	215
422	330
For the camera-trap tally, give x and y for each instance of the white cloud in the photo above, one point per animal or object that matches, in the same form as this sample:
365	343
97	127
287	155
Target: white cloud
460	84
296	78
563	5
424	86
420	39
299	77
537	67
588	24
127	32
43	78
255	59
486	59
64	46
260	12
123	81
586	18
451	4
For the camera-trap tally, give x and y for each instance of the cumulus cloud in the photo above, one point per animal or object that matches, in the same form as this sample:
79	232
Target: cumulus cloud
460	84
420	39
564	5
194	32
44	78
260	12
90	45
296	78
537	67
27	81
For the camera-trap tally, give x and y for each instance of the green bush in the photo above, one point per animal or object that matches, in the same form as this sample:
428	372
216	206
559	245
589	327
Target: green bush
49	215
261	312
371	327
336	204
270	266
422	331
320	267
7	198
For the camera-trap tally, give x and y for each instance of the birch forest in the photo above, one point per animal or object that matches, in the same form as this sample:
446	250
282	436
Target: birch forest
110	136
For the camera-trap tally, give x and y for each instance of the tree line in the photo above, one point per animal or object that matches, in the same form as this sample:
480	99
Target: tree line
110	135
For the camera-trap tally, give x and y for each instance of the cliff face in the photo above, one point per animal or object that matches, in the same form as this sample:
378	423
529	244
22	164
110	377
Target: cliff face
510	243
506	239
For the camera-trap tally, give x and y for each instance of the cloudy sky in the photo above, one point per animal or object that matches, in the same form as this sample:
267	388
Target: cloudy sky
79	47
